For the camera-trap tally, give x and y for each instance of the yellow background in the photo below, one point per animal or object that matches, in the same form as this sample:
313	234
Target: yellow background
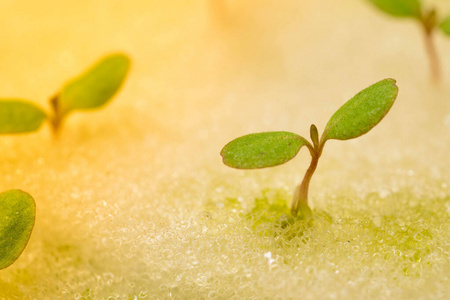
130	200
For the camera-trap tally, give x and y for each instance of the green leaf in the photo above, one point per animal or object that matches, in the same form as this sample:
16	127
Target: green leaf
18	116
362	112
17	215
96	86
262	150
400	8
445	25
314	134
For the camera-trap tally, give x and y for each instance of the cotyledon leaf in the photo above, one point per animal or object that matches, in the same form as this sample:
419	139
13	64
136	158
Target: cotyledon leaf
17	215
445	25
400	8
19	116
361	113
96	86
314	134
262	150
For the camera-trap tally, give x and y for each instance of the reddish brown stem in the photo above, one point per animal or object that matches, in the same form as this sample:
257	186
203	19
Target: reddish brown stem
435	67
300	201
429	22
56	118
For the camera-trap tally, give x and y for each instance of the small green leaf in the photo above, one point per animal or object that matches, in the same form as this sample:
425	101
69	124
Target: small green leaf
445	25
361	113
314	134
18	116
262	150
400	8
96	86
17	215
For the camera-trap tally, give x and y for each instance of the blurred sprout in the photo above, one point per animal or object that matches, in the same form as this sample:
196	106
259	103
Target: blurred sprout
429	20
91	90
17	215
267	149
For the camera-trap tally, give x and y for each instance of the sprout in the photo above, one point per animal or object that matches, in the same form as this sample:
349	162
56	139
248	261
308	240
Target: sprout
17	215
428	20
91	90
267	149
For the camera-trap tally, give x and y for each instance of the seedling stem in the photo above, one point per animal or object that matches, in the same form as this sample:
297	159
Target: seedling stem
429	24
55	119
300	200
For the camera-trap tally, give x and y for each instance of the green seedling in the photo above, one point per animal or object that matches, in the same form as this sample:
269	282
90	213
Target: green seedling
429	21
17	215
91	90
267	149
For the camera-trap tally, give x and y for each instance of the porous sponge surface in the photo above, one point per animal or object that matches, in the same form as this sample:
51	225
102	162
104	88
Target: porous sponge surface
133	201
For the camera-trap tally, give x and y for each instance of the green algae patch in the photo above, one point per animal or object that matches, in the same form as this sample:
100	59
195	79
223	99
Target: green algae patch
269	207
403	241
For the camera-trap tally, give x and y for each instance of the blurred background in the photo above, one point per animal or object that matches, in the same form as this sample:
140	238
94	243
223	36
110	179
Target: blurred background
122	195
